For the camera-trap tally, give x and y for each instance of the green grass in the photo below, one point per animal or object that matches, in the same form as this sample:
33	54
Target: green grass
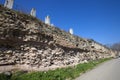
3	77
68	73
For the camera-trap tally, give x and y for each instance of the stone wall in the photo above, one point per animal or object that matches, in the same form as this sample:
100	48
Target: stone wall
27	41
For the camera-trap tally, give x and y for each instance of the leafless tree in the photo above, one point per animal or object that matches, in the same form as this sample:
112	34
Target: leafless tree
115	46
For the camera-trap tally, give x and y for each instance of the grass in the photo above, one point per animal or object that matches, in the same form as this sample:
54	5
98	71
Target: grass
3	77
68	73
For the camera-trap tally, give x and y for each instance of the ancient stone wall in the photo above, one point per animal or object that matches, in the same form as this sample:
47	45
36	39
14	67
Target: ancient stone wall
27	41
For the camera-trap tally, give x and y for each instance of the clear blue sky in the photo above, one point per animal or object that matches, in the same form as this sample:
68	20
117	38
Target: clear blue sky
96	19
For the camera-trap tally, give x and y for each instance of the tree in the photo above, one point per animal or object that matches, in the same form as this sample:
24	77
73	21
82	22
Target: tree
115	46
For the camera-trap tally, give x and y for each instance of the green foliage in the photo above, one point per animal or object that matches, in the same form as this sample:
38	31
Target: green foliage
69	73
3	77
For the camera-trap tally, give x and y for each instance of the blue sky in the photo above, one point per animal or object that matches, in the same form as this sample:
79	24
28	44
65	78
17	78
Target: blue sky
96	19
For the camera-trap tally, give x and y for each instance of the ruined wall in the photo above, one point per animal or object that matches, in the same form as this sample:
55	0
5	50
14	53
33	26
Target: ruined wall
29	42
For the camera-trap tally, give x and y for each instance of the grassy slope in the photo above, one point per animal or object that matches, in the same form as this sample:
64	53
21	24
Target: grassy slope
58	74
